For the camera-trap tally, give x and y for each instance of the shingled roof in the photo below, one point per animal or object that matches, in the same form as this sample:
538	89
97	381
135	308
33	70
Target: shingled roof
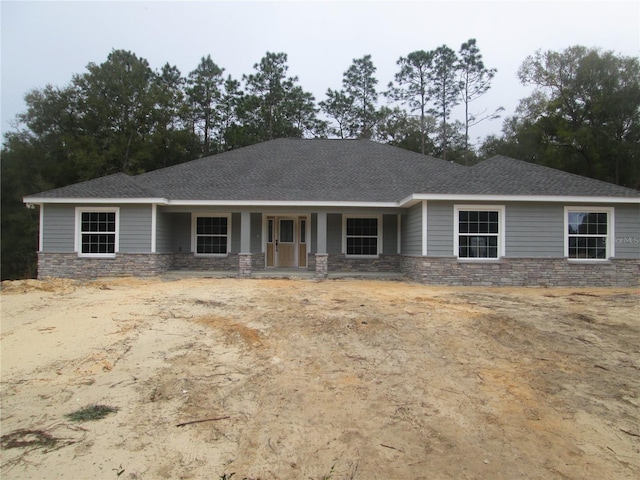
118	185
334	171
507	176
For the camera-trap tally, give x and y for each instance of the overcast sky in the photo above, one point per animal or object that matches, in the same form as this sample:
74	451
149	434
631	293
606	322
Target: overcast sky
47	42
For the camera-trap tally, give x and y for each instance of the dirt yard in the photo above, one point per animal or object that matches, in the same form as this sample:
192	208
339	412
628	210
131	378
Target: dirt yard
295	379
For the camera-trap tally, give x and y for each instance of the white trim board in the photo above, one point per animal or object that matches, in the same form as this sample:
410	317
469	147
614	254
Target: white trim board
403	203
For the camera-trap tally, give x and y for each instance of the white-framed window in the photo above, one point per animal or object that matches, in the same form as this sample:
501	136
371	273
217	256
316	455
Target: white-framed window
479	232
362	236
211	234
588	233
97	231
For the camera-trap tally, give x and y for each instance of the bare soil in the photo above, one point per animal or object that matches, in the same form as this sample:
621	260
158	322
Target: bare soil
295	379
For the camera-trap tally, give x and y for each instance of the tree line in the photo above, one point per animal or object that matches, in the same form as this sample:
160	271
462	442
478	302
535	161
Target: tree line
123	116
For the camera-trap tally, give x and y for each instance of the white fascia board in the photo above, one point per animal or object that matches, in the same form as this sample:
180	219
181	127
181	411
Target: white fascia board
418	197
278	203
405	202
96	201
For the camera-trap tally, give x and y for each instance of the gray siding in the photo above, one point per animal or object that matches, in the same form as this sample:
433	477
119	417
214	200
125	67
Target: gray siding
235	232
334	233
314	233
531	230
534	230
440	229
390	234
411	228
163	232
256	232
627	231
174	232
181	236
58	228
135	229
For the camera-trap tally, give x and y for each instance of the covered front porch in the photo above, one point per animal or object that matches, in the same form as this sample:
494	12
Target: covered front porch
280	241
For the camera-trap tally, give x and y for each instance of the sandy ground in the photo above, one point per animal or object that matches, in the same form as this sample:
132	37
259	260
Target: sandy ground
295	379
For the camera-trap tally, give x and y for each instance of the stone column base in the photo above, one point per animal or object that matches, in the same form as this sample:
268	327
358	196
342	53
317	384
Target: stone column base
322	264
244	263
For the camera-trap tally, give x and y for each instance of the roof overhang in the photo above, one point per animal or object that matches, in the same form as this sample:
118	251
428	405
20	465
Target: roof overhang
96	201
419	197
281	203
207	203
406	202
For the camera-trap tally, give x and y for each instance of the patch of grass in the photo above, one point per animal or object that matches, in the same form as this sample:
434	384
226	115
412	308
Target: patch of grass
91	412
25	438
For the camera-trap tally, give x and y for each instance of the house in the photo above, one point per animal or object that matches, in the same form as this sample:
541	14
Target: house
343	206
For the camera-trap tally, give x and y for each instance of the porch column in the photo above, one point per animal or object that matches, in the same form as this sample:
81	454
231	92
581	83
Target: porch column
244	257
322	257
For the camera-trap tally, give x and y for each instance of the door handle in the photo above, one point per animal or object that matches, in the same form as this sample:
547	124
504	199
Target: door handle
276	245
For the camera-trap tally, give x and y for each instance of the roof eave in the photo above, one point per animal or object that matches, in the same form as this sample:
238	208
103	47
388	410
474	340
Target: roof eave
98	201
282	203
418	197
404	203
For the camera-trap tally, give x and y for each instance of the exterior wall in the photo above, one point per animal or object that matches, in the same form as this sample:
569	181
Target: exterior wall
256	233
235	233
529	272
173	232
531	230
70	265
534	235
627	232
334	233
176	232
439	229
188	261
163	232
411	227
338	262
314	236
58	230
258	261
311	261
60	227
534	230
390	234
135	229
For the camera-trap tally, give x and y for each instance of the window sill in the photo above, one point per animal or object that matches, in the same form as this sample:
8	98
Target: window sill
479	260
97	255
211	255
362	256
589	260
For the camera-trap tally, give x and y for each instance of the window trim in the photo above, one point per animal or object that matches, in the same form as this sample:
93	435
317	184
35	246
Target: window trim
344	235
609	239
78	231
194	233
501	230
